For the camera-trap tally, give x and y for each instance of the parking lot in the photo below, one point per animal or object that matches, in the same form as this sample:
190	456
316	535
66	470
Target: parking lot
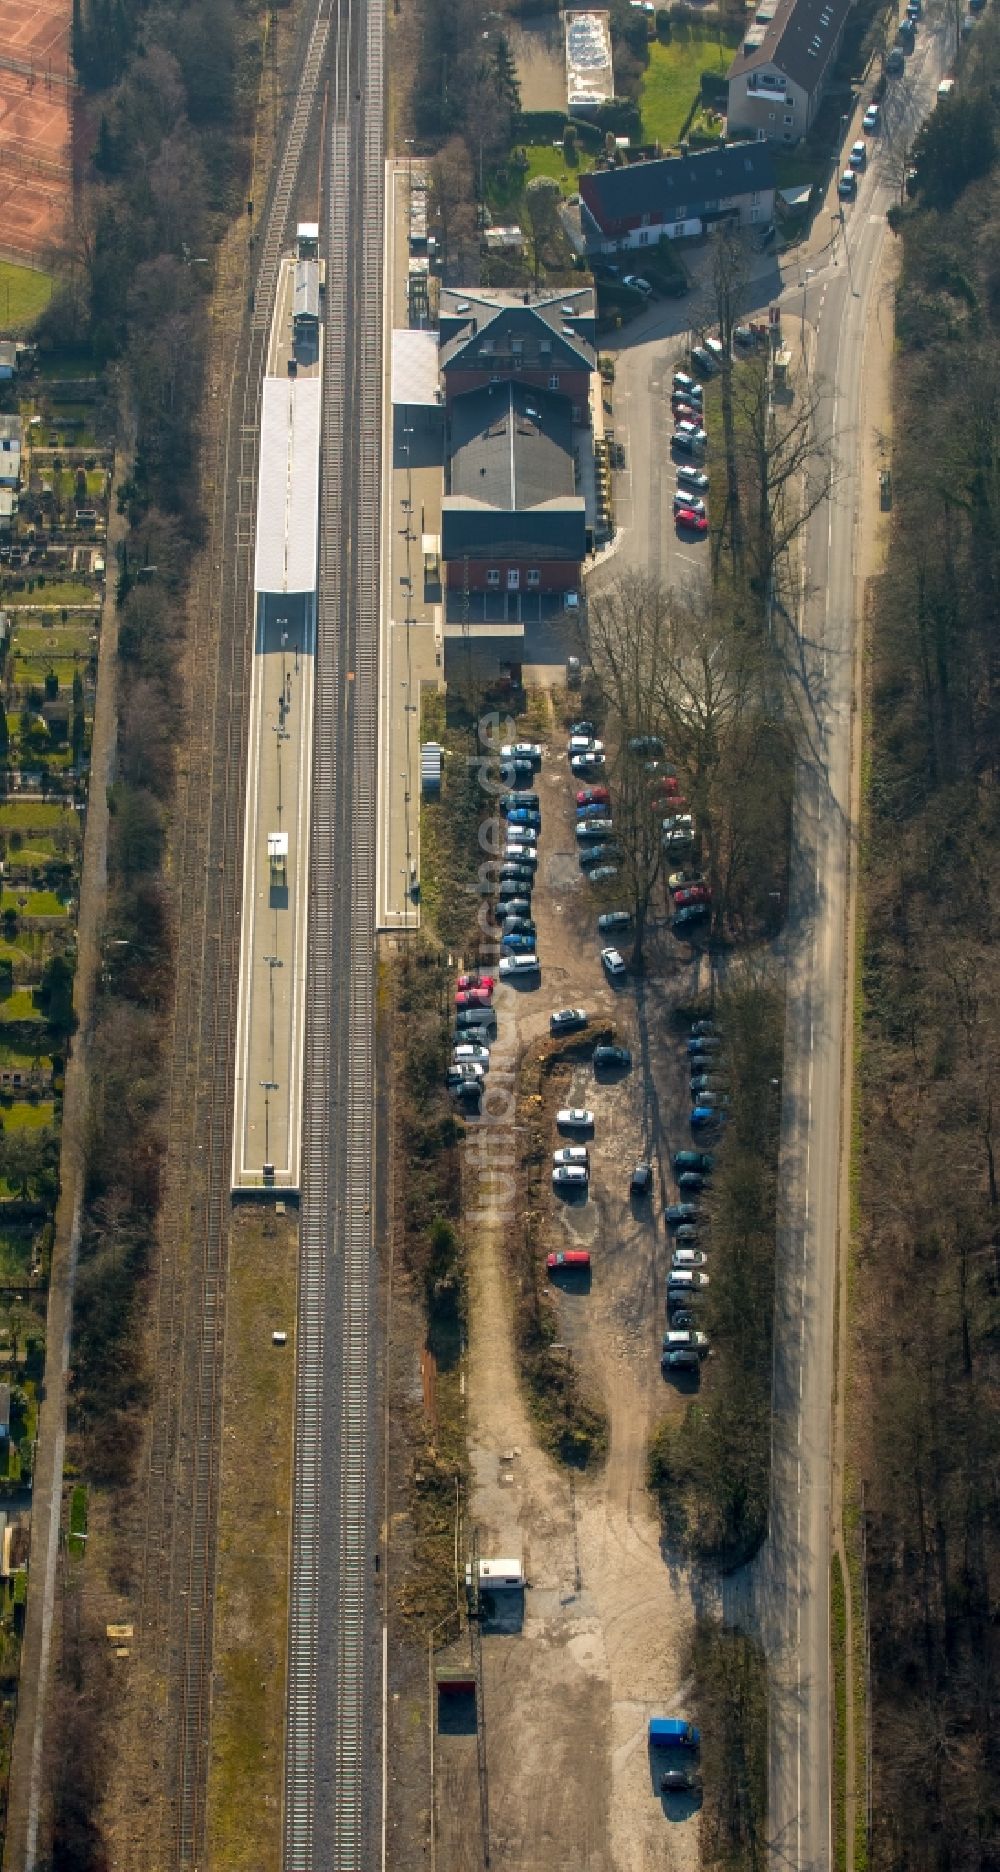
607	1618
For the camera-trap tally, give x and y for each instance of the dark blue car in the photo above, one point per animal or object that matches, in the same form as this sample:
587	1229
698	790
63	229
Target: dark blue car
524	815
518	943
706	1118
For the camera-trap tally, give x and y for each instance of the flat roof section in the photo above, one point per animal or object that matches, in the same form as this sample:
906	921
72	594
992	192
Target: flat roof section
589	73
287	537
415	378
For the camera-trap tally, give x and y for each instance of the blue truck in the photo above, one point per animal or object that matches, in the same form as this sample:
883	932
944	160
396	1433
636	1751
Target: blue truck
673	1732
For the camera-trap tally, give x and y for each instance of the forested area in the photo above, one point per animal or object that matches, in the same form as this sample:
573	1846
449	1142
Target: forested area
926	1281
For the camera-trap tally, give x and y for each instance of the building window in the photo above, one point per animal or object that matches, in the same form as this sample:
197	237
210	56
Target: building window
486	348
755	198
645	221
644	238
534	576
755	214
554	381
789	118
545	347
681	211
678	227
513	578
493	576
770	116
516	346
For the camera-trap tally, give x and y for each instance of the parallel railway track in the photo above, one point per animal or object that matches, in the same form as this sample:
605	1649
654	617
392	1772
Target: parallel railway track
174	1638
331	1755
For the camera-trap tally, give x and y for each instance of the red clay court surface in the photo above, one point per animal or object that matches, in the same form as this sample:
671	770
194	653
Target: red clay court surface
35	112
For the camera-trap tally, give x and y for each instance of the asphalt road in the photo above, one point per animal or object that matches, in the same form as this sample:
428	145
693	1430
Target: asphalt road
836	300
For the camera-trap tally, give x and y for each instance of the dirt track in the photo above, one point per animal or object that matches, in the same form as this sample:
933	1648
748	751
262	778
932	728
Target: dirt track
606	1620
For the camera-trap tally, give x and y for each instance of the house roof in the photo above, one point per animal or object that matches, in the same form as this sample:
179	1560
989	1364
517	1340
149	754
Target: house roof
672	184
479	329
798	37
10	429
511	447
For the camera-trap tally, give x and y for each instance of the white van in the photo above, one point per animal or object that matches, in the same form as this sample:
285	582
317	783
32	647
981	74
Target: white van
685	1280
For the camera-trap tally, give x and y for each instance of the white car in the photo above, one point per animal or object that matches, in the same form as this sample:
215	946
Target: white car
471	1056
688	1258
679	822
572	1154
575	1176
613	962
686	1341
693	478
691	502
691	433
869	122
522	750
637	283
586	764
518	965
584	744
521	854
686	1280
575	1118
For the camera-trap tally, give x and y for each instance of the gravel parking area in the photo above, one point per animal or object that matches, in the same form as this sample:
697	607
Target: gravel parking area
607	1617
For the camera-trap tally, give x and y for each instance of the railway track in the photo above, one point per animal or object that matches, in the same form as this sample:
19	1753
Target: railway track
174	1639
331	1759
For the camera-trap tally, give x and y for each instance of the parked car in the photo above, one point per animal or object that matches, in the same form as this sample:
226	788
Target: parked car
692	478
703	1082
592	857
575	1118
523	796
638	284
672	1732
593	796
582	727
703	361
524	816
469	1053
702	1029
584	764
689	918
570	1176
676	1213
689	1258
681	839
679	822
680	1338
685	412
689	385
588	829
858	158
690	518
475	981
870	120
641	1181
610	920
597	810
688	1234
567	1020
612	1059
692	894
463	1075
515	852
519	942
571	1154
703	1043
517	874
682	880
687	502
602	873
528	751
468	1018
567	1259
613	963
697	436
681	1360
705	1118
691	1182
686	1280
683	444
514	900
702	1161
847	187
516	967
678	1781
473	998
518	926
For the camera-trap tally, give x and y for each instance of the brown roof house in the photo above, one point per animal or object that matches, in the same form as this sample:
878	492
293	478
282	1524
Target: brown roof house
777	79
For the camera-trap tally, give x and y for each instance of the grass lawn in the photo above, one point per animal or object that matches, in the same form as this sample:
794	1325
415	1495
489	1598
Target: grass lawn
19	1006
24	292
53	592
24	1115
76	1540
36	903
673	77
36	816
16	1243
794	170
505	191
31	670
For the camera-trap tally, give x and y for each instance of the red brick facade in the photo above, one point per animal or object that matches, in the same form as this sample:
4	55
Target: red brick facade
554	575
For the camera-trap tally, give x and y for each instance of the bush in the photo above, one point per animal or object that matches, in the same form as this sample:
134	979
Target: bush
714	88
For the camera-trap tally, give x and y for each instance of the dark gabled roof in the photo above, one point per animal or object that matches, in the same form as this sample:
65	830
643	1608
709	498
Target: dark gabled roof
800	38
659	189
478	330
511	446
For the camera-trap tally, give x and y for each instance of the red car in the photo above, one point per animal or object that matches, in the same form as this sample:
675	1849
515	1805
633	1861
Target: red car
473	998
685	412
593	796
476	981
696	522
669	784
568	1258
676	802
692	894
